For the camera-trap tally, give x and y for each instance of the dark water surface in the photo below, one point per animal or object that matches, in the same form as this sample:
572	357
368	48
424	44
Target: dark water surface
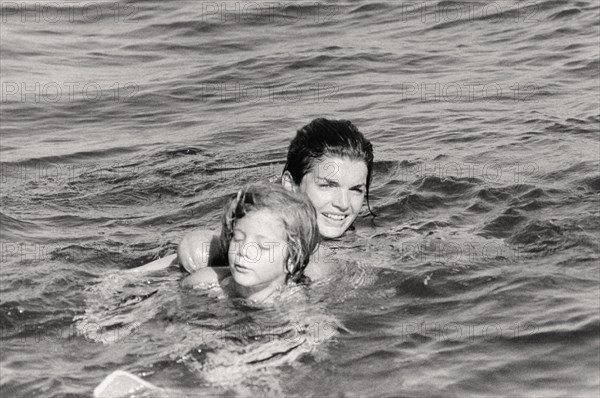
124	125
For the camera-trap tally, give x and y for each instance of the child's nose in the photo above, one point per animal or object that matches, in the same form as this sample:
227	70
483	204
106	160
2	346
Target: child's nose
246	250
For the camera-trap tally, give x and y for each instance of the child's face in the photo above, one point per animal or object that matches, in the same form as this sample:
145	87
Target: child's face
256	251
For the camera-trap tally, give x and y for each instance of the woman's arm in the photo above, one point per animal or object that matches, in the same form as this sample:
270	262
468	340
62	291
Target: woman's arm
161	263
198	249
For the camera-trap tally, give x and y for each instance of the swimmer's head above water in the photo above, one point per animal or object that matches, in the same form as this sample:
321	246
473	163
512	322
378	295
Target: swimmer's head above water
329	161
332	163
269	234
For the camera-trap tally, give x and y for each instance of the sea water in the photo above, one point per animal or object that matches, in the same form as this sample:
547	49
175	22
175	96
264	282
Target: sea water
127	124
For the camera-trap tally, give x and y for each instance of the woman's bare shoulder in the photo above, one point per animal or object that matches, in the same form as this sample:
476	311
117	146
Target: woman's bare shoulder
198	249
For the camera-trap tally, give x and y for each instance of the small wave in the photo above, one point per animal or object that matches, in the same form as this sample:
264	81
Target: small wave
493	194
448	185
535	199
479	208
412	203
535	193
90	256
433	284
12	228
536	205
588	330
185	151
501	194
231	363
572	172
539	236
85	157
176	28
503	225
120	301
592	183
385	166
572	128
433	225
209	208
565	13
366	8
315	61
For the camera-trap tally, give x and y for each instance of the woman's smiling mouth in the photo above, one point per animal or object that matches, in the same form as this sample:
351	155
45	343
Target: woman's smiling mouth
335	217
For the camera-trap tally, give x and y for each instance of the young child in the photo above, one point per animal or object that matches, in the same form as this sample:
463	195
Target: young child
268	235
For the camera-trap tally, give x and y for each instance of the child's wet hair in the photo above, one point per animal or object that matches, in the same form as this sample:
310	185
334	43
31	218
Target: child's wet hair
296	213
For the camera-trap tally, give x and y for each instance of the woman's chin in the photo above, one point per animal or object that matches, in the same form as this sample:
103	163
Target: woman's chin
331	232
334	229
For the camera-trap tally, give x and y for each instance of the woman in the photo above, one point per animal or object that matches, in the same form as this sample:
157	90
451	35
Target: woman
332	163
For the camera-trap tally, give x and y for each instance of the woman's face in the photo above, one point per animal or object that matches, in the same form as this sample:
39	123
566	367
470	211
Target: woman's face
336	187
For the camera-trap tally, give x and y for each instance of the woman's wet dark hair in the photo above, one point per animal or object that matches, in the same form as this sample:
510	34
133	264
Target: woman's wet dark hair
326	137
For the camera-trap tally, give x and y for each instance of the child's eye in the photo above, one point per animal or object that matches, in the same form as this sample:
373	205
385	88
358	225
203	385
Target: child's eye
359	190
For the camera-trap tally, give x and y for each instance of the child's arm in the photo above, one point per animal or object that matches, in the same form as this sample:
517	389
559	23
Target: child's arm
206	276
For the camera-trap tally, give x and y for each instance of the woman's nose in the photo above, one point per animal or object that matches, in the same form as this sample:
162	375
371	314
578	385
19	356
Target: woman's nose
341	200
